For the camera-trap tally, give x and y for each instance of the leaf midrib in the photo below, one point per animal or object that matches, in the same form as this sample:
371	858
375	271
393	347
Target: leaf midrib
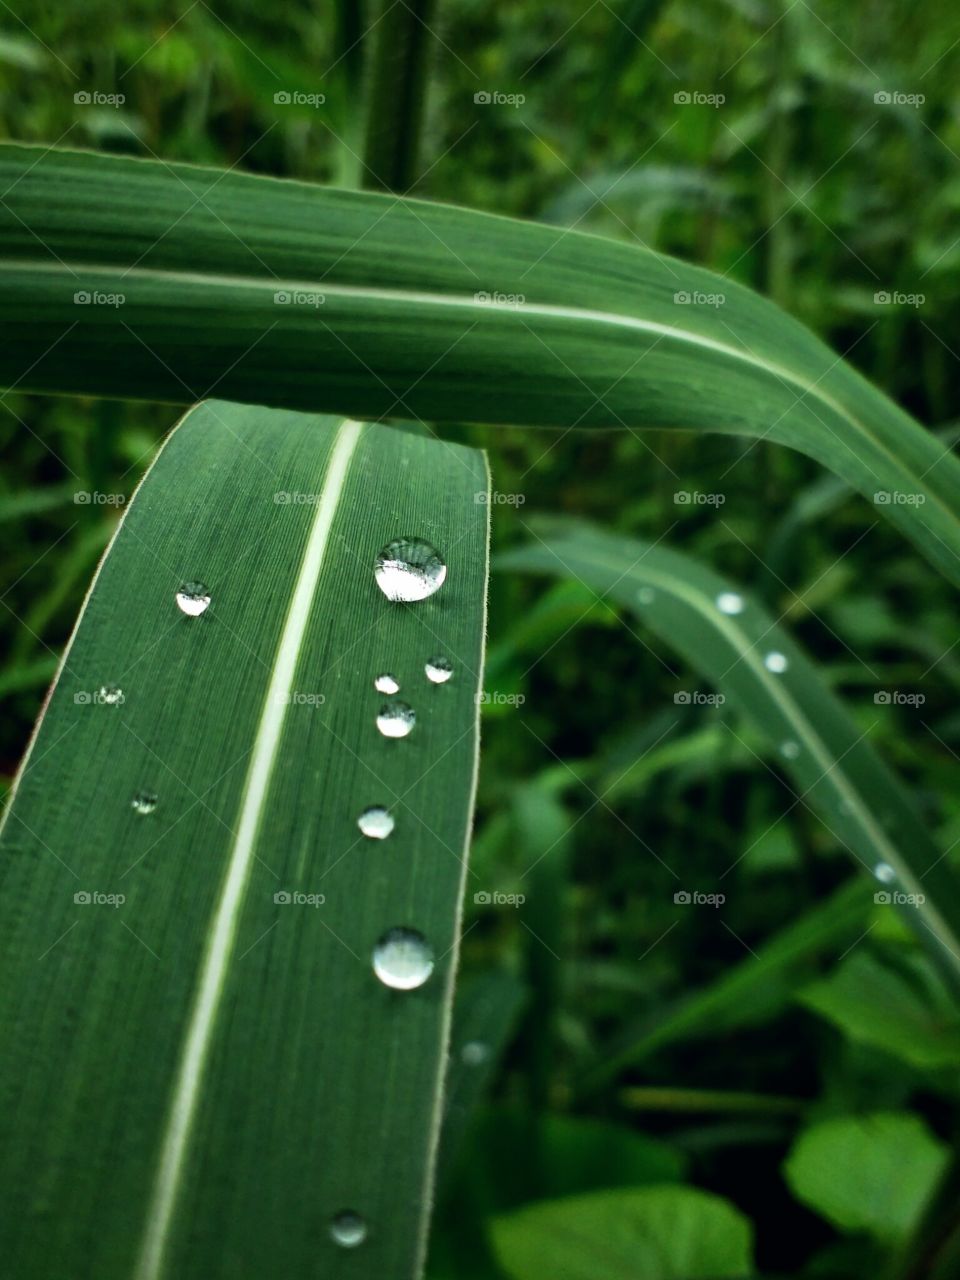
547	310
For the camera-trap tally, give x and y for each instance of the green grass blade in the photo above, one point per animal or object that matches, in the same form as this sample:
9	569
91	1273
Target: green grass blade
403	308
197	1078
833	768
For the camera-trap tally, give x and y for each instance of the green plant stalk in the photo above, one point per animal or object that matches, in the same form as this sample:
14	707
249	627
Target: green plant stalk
396	93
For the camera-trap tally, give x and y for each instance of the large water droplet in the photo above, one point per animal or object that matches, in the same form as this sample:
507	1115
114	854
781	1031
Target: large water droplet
646	595
438	670
730	602
386	684
409	569
776	662
111	694
474	1053
144	802
376	822
348	1229
396	719
884	873
193	598
403	959
790	749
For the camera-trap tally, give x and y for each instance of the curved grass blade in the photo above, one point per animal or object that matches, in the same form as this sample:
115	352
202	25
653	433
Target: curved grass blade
743	652
193	280
200	1068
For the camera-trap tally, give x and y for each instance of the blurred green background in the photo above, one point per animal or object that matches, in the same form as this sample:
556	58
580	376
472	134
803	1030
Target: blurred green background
792	1051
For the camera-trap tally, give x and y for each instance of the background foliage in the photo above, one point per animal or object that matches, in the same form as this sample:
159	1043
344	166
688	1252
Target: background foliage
804	1061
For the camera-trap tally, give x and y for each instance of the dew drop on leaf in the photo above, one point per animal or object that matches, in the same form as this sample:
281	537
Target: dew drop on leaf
790	749
646	595
110	694
144	802
409	569
348	1229
474	1053
730	602
386	684
376	822
776	662
884	873
438	670
193	598
396	719
403	959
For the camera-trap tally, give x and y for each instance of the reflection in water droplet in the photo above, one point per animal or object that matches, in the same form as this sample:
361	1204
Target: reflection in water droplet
438	670
111	694
409	569
884	873
193	598
403	959
348	1229
729	602
376	822
776	662
144	802
386	684
790	749
646	595
396	719
475	1053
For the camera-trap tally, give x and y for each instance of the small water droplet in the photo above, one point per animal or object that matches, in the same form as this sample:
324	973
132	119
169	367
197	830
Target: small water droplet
144	802
790	749
348	1229
884	873
386	684
776	662
396	719
474	1053
729	602
376	822
111	694
403	959
193	598
438	670
409	569
646	595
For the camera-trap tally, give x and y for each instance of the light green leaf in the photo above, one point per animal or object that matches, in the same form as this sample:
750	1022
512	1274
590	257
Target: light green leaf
872	1173
914	1017
193	280
659	1233
200	1066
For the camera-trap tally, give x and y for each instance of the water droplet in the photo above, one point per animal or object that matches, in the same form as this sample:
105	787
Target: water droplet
474	1053
144	802
386	684
776	662
438	670
646	595
729	602
403	959
884	873
111	694
348	1229
790	749
193	598
396	719
376	822
409	569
